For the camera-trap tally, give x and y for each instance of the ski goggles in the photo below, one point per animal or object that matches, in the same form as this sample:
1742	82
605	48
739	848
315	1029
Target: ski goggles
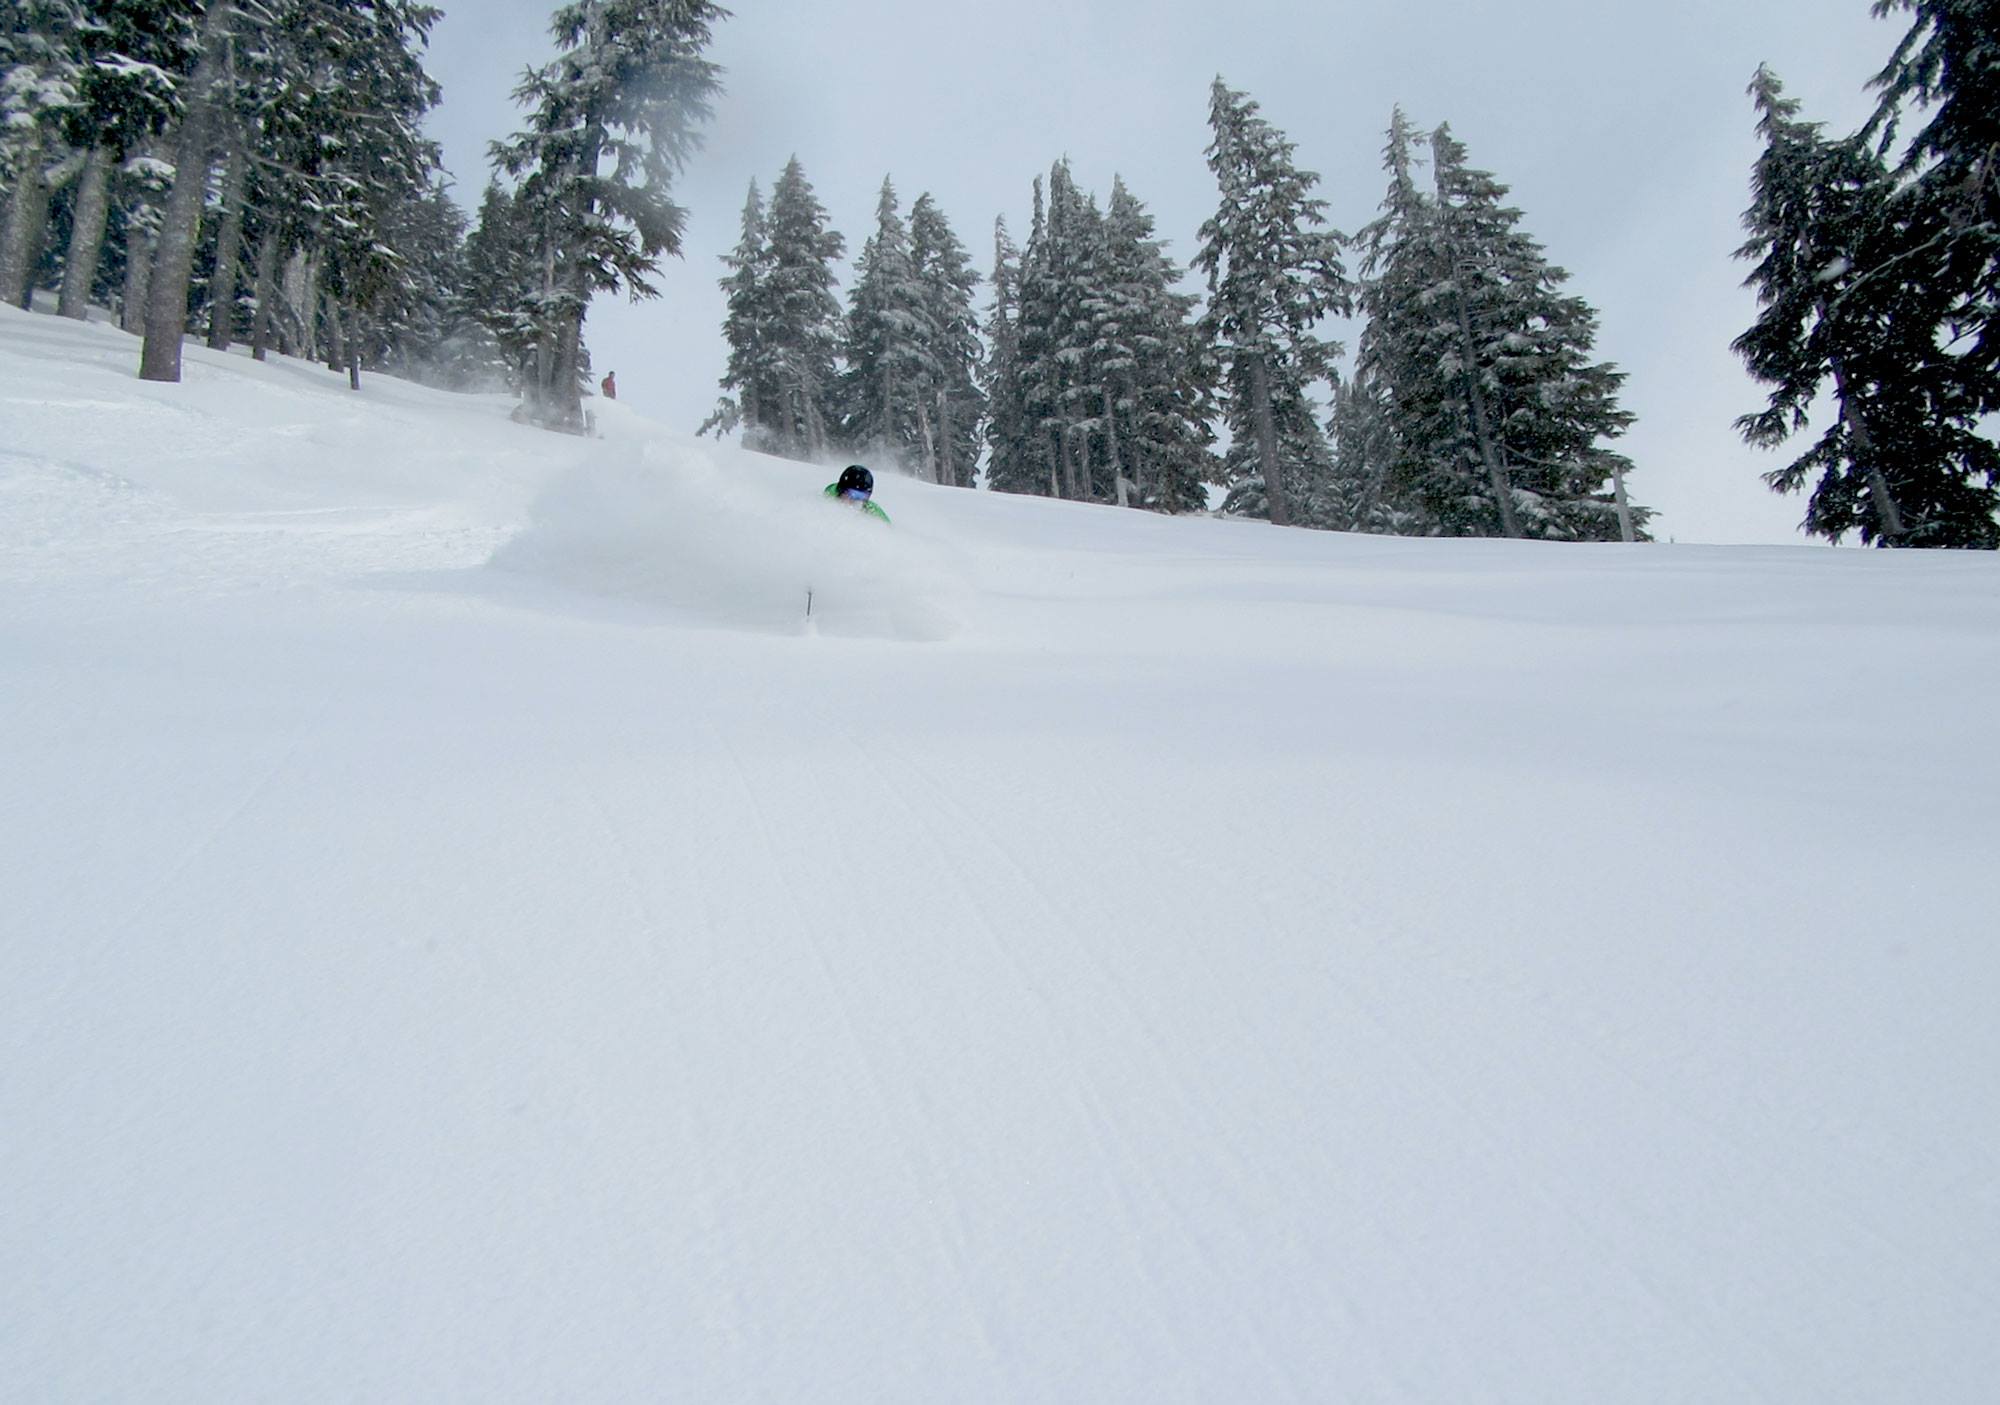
855	494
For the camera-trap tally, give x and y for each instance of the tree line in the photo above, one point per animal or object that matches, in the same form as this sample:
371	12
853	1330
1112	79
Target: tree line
1474	407
256	169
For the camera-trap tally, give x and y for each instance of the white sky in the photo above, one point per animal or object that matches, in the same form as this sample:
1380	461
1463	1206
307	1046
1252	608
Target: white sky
1623	130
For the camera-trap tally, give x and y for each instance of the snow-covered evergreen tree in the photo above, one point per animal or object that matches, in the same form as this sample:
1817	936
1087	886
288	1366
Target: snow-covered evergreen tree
1038	370
1358	494
1498	417
1013	462
1274	274
612	121
1061	390
346	113
798	325
782	324
953	406
890	345
1853	299
498	264
42	72
747	376
1155	366
135	55
204	98
1100	386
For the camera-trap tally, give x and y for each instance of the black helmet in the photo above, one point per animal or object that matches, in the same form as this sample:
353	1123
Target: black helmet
855	476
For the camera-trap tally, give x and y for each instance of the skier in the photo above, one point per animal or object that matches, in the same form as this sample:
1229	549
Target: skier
857	485
609	385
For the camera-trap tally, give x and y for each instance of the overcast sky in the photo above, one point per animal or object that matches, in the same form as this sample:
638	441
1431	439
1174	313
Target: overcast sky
1623	129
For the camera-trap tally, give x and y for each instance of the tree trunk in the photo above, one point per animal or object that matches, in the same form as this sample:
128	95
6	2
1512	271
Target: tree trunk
1055	462
1625	532
800	435
1111	447
228	246
564	405
27	216
930	441
173	265
1888	517
86	240
296	330
138	269
947	460
1275	497
1475	394
266	289
541	398
336	340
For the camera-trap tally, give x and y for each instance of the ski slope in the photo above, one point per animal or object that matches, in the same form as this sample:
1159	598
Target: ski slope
465	936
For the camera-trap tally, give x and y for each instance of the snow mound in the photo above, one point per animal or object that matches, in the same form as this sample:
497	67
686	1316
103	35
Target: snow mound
749	545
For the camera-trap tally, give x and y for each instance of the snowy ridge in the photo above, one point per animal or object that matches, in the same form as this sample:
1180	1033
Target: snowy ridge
462	941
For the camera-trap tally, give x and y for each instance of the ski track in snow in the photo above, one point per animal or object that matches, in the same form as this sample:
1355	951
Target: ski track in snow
468	939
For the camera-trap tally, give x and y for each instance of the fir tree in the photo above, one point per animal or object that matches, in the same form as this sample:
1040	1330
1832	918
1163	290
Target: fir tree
1847	277
949	415
1158	375
1100	386
499	265
1358	494
1949	63
612	122
799	326
42	72
353	102
135	54
205	95
746	371
1498	418
782	323
890	343
1274	273
1060	390
1012	464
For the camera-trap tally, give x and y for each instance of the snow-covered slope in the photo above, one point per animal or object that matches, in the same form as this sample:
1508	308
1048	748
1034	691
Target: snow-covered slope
463	936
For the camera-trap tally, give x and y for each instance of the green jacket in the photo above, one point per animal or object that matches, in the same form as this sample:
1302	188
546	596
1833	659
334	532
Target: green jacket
868	504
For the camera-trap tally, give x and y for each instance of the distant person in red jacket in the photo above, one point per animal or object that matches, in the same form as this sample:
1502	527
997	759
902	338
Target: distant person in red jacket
609	385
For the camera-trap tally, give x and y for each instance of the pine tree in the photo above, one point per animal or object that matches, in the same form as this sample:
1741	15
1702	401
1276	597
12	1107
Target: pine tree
1852	301
1158	375
1012	462
204	97
1949	63
499	265
1274	273
890	344
135	53
800	321
42	72
1099	384
1548	410
782	324
1038	371
1498	419
1358	494
950	412
628	91
745	372
1060	386
348	119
